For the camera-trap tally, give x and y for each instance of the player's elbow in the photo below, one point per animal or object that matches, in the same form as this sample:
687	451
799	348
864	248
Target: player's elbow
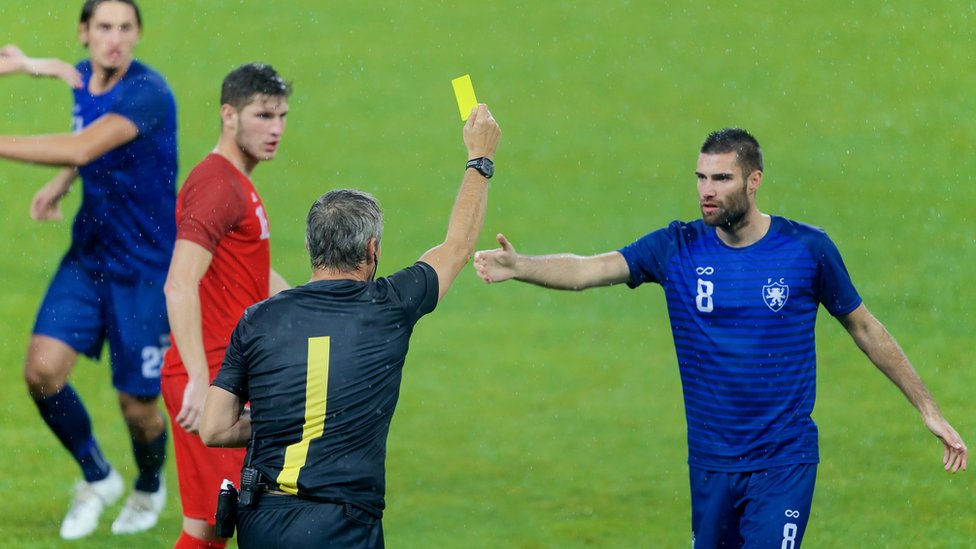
81	154
174	290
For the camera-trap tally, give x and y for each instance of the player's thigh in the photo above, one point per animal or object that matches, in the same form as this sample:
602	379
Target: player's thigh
714	517
138	335
287	521
199	470
71	312
778	506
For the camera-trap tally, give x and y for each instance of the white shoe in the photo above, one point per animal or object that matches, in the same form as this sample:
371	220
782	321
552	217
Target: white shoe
90	500
141	511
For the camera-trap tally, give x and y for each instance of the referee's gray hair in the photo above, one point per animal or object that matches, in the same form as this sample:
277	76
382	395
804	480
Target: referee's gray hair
338	227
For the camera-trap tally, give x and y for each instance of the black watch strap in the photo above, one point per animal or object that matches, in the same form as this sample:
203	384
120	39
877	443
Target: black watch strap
483	164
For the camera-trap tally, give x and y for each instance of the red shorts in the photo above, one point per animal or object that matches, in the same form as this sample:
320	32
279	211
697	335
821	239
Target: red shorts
200	469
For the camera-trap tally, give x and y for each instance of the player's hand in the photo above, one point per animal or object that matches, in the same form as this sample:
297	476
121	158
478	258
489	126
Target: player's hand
11	51
496	265
956	455
55	68
481	133
194	397
43	67
46	204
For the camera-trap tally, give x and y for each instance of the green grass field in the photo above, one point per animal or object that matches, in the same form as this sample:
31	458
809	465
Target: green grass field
535	419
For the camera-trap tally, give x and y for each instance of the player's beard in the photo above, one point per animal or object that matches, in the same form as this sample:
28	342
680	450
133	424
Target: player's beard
732	211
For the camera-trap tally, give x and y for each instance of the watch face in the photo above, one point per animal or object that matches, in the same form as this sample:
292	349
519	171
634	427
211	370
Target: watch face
483	165
486	167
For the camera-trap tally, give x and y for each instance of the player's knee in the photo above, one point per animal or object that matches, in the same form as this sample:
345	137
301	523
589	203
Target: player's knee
42	380
142	416
48	365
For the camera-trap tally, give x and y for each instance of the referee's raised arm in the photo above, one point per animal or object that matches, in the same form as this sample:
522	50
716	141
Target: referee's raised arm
481	136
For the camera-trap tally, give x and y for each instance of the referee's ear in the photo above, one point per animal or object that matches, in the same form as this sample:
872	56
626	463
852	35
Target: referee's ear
372	250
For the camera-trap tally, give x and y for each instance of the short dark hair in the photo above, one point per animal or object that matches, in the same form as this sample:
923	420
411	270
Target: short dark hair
88	8
246	81
746	148
338	227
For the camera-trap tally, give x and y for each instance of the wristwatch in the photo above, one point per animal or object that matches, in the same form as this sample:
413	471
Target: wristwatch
484	165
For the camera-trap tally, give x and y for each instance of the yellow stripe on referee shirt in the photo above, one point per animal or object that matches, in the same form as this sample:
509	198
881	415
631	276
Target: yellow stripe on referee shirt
316	394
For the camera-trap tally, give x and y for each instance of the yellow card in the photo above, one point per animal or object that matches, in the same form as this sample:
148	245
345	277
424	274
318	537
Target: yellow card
464	92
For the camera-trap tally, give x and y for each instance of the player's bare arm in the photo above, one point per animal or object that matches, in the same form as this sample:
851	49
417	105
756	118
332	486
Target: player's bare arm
71	149
46	204
190	262
225	422
558	271
276	283
882	349
481	136
13	60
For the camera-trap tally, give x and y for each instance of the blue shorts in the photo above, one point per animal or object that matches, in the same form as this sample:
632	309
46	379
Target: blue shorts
83	309
756	509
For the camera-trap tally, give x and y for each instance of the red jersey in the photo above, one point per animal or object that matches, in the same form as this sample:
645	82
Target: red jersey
219	209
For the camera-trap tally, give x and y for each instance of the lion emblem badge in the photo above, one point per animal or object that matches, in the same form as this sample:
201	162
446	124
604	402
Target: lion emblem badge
775	294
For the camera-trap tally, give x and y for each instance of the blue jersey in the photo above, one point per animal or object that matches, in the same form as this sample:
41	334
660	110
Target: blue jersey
743	323
126	225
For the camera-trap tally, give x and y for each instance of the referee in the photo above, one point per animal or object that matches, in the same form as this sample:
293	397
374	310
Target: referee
321	366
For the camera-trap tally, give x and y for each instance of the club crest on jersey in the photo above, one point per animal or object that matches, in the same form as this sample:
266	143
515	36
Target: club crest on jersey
775	294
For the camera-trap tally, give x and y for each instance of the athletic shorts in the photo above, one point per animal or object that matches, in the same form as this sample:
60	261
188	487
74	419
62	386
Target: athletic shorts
278	521
757	509
83	309
199	469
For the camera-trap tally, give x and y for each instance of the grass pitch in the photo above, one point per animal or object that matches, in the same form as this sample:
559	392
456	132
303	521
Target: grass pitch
531	418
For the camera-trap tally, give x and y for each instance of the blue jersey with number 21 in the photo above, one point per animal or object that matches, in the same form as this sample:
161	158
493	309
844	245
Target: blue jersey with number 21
743	323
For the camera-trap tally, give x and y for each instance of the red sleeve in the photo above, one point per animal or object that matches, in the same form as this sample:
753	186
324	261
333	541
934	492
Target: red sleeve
211	204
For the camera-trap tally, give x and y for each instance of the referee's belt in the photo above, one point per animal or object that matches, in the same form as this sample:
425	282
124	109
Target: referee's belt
266	489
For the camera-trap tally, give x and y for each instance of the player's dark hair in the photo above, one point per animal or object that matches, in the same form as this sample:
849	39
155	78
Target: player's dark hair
339	226
88	8
247	81
748	154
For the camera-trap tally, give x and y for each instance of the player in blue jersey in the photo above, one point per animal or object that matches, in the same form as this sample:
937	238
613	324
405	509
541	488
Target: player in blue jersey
109	286
321	366
743	289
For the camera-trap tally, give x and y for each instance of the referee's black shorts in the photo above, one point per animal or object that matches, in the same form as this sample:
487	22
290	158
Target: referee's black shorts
288	521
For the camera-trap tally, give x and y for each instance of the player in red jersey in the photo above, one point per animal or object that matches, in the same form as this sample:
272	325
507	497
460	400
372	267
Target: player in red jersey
221	265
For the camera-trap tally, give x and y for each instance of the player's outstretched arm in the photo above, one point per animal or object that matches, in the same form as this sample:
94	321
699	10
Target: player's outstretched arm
875	341
71	149
481	136
559	271
13	60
